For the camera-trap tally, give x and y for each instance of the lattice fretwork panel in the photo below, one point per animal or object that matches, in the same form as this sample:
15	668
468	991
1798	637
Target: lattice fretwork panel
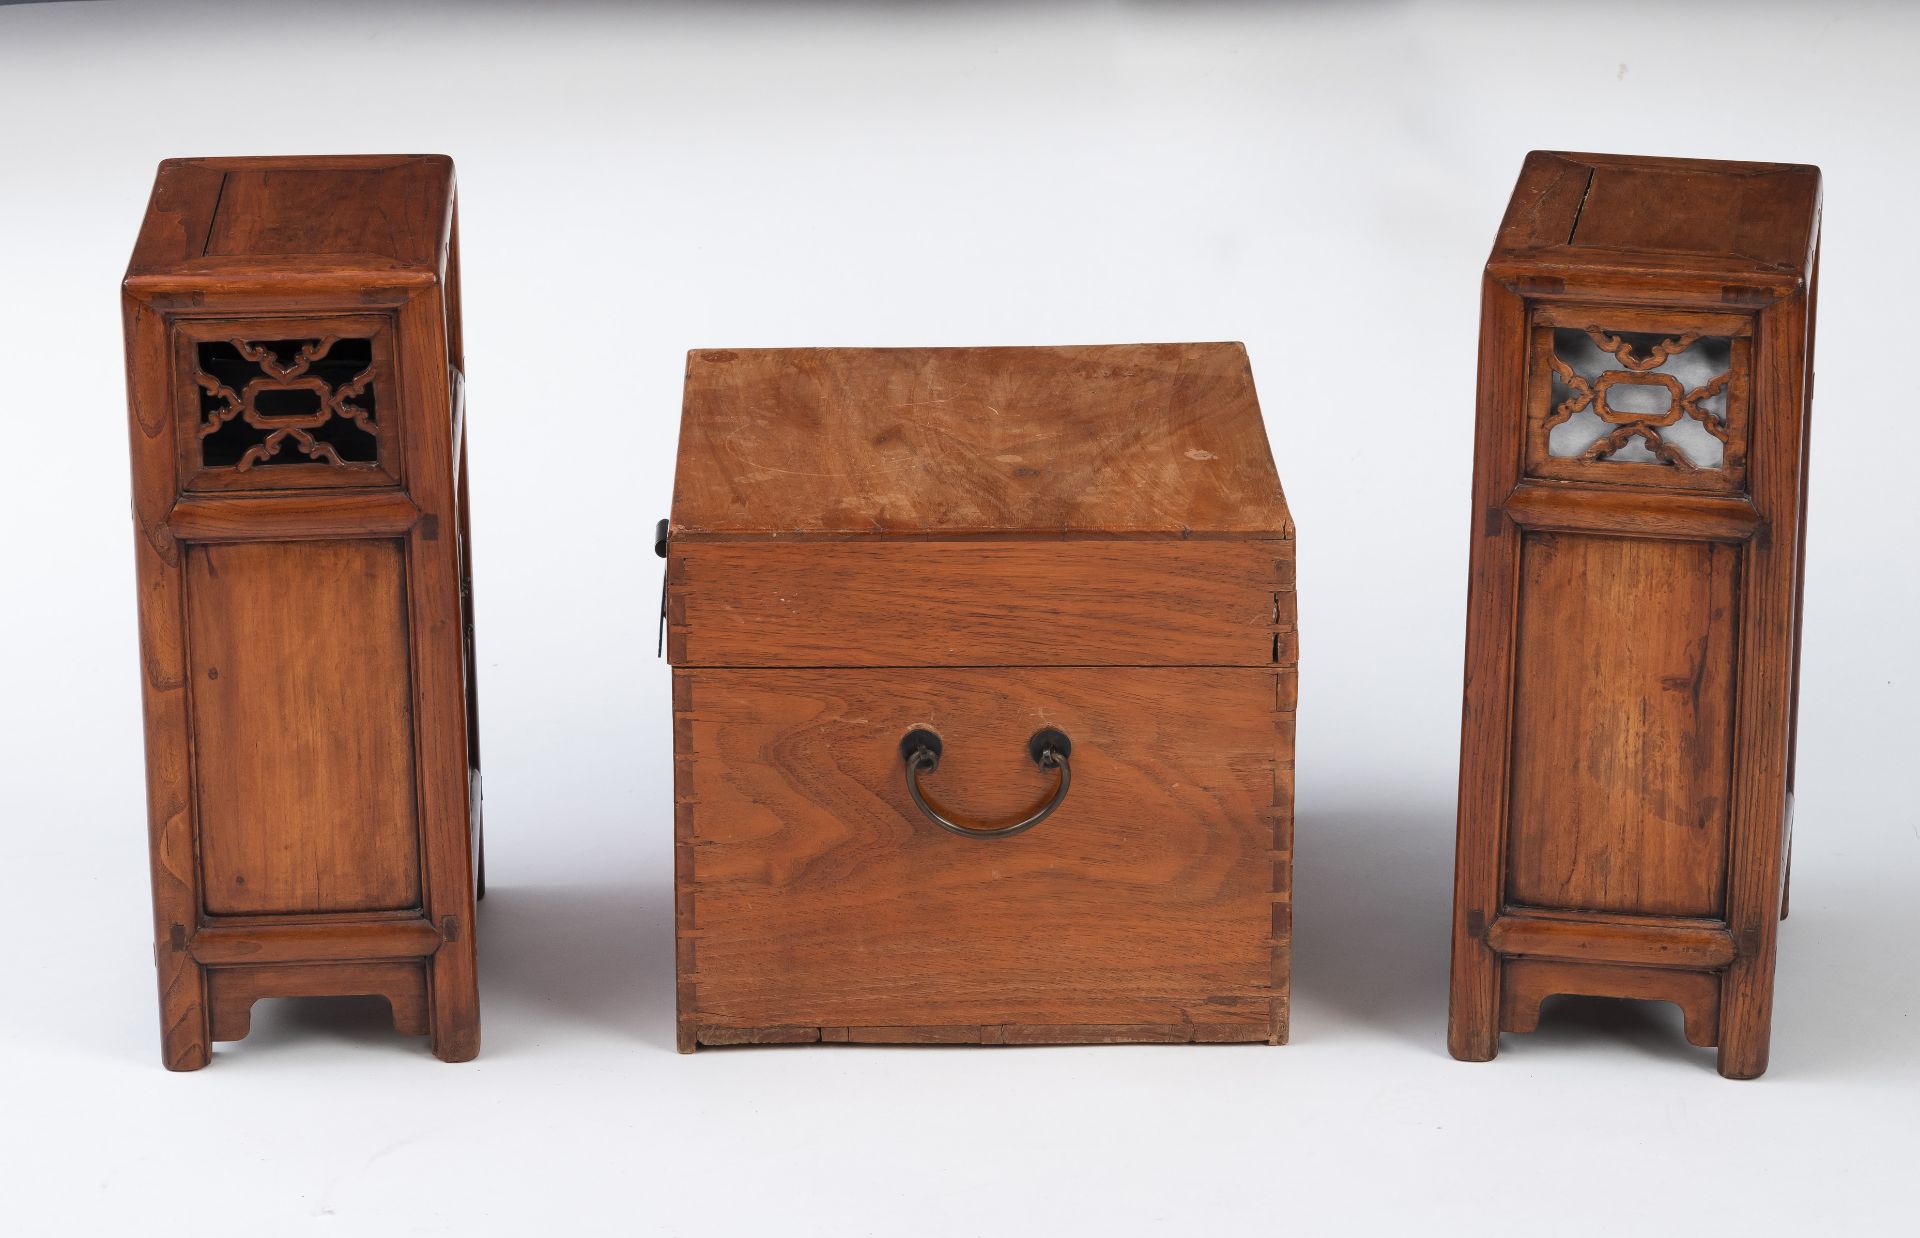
288	403
1644	407
277	402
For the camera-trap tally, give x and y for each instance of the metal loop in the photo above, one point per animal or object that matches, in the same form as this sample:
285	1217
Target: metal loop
1049	749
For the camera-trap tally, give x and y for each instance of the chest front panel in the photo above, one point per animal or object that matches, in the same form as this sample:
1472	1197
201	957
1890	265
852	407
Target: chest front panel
822	898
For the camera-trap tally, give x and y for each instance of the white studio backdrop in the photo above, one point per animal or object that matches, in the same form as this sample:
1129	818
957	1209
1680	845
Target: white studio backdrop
1321	182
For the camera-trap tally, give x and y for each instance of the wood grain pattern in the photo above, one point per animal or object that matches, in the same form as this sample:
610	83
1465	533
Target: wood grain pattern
990	519
990	1034
229	943
1645	943
1473	1029
1769	639
1756	214
288	517
301	722
1626	747
816	896
1799	585
337	620
1528	982
916	603
1148	439
294	222
396	211
1622	725
234	990
1659	221
440	705
1695	517
185	1041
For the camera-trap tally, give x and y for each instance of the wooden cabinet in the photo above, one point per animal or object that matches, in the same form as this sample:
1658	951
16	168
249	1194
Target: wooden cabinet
1626	786
983	698
299	492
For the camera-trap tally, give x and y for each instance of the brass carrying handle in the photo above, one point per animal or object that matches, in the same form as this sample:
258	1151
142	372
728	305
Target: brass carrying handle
1049	748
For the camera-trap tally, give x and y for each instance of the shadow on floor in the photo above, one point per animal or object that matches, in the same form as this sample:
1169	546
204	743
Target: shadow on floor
1372	915
552	958
1569	1025
281	1024
1372	899
600	955
1373	906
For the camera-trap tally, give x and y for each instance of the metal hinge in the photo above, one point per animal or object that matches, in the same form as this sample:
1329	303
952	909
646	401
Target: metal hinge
660	548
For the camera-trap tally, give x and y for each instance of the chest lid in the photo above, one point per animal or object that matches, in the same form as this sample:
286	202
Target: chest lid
1006	506
1143	440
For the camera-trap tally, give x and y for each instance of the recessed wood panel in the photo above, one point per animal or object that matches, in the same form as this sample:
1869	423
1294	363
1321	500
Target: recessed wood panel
390	209
1622	724
303	747
1676	215
815	894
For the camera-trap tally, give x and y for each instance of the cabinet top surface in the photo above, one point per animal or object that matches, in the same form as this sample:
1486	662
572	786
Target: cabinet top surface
369	214
1121	440
1635	213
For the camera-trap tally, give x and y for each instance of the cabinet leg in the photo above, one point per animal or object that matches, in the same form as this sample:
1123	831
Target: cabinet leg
1472	1038
455	1034
186	1036
1744	1056
1746	1018
1473	1009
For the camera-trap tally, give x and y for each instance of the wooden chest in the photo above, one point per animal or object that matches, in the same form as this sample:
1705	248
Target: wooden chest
1626	783
972	585
299	496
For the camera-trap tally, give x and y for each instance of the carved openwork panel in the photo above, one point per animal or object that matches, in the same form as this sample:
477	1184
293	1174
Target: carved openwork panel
275	403
1623	396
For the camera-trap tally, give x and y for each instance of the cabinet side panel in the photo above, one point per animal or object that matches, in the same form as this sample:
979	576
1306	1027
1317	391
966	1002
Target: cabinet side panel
304	735
1623	710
